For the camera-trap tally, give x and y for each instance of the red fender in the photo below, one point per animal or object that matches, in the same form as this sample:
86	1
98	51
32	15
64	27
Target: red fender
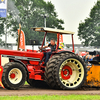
1	71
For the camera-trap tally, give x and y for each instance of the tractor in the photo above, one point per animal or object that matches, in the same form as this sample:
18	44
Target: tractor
64	69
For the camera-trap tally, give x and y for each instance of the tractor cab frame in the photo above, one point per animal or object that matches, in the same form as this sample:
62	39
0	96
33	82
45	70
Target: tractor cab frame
54	31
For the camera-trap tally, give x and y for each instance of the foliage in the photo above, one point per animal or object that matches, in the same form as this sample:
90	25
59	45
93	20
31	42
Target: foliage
1	26
31	14
89	30
2	31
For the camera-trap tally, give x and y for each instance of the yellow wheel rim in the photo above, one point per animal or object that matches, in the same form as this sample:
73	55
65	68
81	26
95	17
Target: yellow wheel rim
75	71
15	76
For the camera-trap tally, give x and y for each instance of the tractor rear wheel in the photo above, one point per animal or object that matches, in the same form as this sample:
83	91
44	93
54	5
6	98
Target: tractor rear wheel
14	75
65	71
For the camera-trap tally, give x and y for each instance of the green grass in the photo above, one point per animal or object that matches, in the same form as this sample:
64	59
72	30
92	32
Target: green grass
53	97
26	83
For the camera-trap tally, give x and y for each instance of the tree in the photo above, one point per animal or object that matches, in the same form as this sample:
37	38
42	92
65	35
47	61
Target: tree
1	26
30	15
2	20
89	30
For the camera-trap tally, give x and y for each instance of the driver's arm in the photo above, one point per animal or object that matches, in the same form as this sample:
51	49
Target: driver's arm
45	46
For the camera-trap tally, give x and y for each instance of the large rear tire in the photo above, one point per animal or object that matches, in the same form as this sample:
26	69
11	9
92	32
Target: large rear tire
14	75
65	71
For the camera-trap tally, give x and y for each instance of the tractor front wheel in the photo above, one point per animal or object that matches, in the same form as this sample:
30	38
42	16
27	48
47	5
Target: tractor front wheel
14	75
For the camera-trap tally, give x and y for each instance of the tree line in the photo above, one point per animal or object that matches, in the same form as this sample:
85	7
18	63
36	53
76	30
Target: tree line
89	30
31	14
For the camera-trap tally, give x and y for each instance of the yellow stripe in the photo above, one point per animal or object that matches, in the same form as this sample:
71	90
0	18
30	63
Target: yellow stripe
1	84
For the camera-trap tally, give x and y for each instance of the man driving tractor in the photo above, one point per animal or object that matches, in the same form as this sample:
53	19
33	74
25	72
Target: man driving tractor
47	55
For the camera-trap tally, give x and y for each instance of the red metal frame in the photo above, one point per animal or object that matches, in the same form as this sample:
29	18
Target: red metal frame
44	39
0	60
73	43
21	53
1	71
57	41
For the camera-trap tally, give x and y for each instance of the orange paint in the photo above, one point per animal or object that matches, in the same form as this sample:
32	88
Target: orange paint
61	44
93	76
61	38
22	40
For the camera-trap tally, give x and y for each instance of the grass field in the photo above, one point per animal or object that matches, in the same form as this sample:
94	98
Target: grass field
54	97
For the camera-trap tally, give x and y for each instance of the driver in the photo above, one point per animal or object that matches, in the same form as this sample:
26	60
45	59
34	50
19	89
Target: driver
47	55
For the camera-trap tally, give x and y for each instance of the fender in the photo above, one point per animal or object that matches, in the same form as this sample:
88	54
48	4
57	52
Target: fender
16	60
64	52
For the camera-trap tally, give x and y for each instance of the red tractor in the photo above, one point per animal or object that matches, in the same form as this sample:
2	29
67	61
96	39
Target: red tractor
64	70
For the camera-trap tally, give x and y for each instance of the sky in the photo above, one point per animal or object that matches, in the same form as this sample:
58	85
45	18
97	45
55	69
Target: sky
72	12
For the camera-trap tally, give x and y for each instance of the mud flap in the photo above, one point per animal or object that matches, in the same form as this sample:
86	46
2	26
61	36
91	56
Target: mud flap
1	72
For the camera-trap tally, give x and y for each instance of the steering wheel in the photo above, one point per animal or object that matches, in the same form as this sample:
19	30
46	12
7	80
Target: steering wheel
42	49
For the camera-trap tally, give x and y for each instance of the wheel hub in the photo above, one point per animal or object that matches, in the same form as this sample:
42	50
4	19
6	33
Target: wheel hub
12	75
66	72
